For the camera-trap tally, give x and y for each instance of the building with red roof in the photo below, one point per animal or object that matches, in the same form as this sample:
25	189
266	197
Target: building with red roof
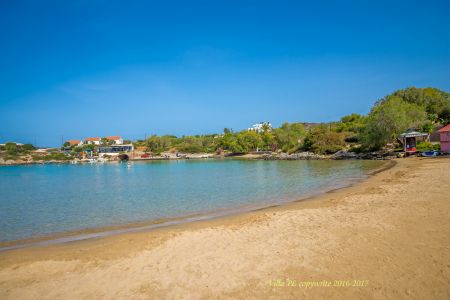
75	142
444	137
92	140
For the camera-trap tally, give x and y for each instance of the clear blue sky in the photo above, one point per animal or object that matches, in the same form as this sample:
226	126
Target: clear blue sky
95	68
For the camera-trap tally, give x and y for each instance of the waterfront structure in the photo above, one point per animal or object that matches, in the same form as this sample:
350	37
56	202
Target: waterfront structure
115	139
113	150
261	127
92	141
409	140
444	137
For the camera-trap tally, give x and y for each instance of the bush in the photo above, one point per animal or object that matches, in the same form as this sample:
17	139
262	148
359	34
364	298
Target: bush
28	147
352	139
424	146
323	141
52	156
11	148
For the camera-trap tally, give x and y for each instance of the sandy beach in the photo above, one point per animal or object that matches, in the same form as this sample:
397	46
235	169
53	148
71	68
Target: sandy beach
385	238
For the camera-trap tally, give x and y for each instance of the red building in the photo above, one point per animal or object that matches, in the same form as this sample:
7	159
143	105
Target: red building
444	136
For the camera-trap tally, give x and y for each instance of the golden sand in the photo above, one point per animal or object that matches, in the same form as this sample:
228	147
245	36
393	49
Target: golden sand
385	238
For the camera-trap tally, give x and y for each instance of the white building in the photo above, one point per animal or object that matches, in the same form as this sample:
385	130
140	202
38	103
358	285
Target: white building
260	127
116	139
92	141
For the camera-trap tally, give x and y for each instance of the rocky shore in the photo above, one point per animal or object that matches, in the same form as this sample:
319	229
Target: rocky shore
341	155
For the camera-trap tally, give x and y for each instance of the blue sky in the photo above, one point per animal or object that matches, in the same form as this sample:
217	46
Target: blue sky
130	68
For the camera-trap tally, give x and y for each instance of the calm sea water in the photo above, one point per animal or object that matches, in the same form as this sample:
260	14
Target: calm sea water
46	199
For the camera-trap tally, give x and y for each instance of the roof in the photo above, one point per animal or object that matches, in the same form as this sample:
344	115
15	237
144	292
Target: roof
73	142
412	134
114	137
92	139
445	128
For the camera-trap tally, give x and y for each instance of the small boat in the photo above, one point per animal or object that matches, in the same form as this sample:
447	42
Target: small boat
431	153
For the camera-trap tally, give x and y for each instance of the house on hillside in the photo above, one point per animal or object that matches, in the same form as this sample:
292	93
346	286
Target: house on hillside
92	141
444	136
260	127
75	142
115	139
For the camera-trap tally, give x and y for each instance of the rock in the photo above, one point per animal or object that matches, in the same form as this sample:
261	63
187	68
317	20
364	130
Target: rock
295	156
344	155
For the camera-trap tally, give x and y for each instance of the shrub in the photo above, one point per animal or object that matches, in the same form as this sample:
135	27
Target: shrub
28	147
11	148
424	146
323	141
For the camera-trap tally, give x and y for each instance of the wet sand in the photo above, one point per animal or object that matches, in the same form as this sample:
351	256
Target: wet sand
385	238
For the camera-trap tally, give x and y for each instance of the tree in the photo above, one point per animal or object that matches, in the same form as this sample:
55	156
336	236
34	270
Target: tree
11	148
249	140
435	102
351	123
88	147
445	115
229	142
28	147
323	140
388	119
289	136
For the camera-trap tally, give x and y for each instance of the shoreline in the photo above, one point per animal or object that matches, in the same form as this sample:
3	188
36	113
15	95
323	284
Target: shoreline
362	232
106	231
202	156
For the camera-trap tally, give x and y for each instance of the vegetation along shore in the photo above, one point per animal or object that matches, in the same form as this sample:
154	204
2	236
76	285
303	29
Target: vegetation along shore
372	136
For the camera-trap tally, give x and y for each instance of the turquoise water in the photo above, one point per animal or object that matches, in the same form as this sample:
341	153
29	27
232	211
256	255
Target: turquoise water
40	200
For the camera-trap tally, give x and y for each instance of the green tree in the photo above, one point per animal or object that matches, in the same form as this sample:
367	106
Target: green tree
351	123
230	142
89	147
104	141
435	102
11	148
388	119
445	115
28	147
321	139
249	140
289	137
